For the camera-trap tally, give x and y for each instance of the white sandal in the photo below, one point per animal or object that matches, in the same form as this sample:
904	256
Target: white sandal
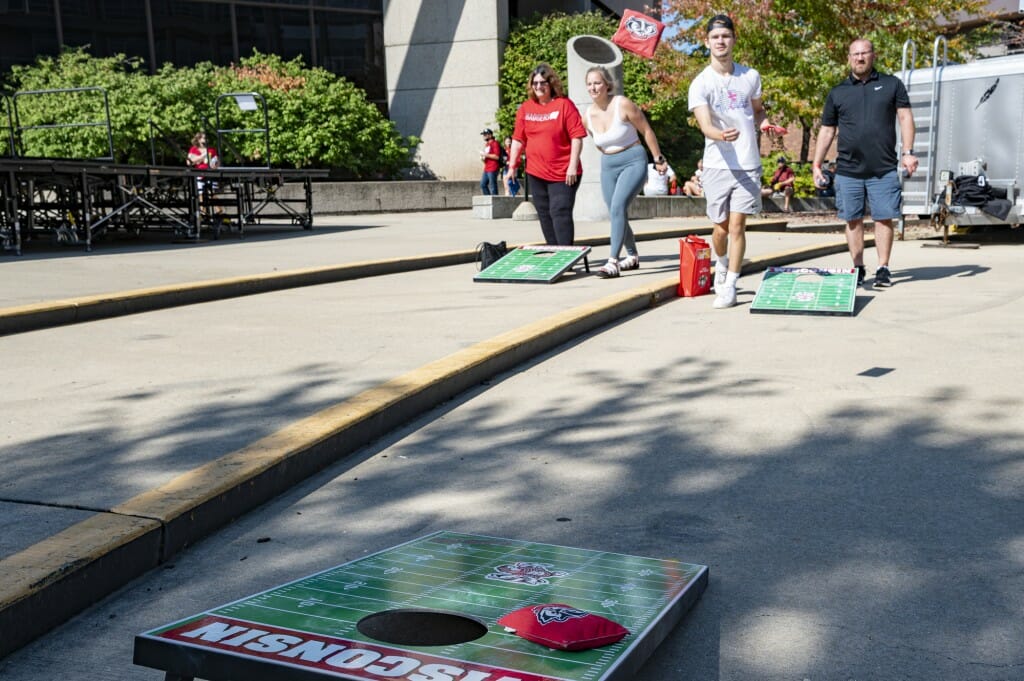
608	270
630	262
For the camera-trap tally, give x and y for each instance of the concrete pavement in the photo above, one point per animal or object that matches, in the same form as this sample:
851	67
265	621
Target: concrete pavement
150	273
231	372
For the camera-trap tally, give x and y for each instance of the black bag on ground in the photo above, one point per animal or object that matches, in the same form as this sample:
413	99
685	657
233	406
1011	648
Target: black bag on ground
487	253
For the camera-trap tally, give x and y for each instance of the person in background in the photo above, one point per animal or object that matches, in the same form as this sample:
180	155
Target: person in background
548	127
658	183
203	157
695	185
489	154
200	155
783	180
725	98
617	124
864	111
511	186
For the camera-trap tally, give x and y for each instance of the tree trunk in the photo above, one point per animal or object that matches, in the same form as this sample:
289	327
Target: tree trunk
805	139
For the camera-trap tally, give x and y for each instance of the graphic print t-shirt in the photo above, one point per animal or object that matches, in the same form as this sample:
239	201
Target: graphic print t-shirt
547	132
729	98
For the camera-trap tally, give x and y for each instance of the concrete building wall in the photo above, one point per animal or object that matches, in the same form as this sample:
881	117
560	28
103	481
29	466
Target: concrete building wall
442	61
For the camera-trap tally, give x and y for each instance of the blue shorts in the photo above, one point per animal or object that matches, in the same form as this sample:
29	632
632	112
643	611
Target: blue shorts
883	197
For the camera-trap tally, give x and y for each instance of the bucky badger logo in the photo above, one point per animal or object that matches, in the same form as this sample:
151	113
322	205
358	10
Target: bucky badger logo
532	574
546	614
640	28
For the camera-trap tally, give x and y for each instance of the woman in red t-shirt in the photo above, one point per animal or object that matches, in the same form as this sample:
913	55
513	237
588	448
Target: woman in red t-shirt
200	156
549	128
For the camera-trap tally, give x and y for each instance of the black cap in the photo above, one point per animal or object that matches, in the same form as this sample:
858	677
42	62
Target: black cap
720	21
782	159
487	131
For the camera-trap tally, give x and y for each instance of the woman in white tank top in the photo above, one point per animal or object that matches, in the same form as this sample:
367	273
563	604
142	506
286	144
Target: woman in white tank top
617	124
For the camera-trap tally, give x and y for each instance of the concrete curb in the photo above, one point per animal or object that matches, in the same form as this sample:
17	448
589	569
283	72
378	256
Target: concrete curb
22	318
60	576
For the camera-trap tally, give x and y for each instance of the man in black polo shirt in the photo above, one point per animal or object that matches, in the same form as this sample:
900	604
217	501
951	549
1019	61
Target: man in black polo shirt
865	109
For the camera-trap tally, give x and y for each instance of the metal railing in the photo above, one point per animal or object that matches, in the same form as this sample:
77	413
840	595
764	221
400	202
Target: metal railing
19	129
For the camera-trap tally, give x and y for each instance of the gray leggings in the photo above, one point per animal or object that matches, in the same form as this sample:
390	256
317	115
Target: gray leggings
622	175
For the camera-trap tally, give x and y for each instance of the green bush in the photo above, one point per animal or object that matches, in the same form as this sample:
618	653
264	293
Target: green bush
316	119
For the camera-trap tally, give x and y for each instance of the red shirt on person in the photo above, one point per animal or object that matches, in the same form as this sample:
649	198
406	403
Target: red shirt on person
491	164
782	174
546	132
209	155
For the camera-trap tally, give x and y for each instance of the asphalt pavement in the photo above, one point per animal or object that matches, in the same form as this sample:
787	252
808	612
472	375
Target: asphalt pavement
854	483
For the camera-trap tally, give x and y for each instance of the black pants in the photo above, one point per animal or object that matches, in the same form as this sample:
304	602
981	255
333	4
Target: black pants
554	202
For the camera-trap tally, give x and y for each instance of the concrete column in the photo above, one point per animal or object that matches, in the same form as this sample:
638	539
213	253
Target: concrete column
442	60
584	52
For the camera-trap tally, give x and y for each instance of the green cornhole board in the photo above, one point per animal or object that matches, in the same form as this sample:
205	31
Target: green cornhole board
306	630
533	264
807	290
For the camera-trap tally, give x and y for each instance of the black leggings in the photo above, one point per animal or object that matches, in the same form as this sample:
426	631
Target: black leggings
554	202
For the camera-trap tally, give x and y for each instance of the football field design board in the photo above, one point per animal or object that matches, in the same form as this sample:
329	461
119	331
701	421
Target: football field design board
807	290
306	630
533	264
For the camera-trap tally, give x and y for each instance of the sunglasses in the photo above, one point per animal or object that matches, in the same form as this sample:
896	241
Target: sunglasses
539	83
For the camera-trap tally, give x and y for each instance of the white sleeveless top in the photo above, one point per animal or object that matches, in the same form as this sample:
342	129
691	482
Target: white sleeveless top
619	135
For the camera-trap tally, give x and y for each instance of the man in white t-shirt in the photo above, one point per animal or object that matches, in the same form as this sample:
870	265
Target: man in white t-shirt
657	183
726	101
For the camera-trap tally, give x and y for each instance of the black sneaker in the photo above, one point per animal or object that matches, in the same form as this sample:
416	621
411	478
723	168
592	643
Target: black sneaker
861	273
882	277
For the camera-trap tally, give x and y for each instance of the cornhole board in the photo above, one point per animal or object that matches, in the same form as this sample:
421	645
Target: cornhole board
306	630
533	264
807	290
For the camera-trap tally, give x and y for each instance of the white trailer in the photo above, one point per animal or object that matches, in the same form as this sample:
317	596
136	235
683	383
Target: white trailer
970	121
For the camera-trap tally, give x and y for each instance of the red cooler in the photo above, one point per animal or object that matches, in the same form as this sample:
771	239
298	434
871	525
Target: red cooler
694	266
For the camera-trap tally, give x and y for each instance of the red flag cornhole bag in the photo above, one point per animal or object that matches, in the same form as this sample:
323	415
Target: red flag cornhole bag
638	33
694	266
563	627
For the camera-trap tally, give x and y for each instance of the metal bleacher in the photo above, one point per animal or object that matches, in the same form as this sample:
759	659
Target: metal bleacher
78	201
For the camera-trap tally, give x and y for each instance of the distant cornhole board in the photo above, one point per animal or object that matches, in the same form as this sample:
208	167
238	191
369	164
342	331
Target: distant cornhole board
426	611
534	264
807	290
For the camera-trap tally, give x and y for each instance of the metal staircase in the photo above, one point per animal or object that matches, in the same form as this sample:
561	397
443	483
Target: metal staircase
919	190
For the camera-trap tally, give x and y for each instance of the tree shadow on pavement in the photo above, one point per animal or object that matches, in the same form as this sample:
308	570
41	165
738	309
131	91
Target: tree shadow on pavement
856	527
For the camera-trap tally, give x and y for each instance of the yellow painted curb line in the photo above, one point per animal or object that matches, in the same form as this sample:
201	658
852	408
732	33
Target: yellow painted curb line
67	551
53	580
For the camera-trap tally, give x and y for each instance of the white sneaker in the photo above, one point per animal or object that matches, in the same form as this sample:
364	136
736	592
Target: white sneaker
720	274
726	297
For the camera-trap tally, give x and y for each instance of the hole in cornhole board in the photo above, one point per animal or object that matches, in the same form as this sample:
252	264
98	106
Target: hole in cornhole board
810	278
413	627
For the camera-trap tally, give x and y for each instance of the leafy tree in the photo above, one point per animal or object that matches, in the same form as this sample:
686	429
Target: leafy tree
543	39
315	118
800	46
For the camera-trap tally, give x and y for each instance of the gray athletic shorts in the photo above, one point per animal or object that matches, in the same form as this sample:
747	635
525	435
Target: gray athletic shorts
731	191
